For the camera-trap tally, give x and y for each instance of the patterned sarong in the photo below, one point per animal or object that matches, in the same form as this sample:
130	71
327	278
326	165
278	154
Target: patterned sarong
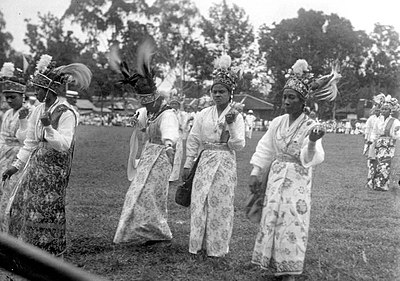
144	214
37	208
212	201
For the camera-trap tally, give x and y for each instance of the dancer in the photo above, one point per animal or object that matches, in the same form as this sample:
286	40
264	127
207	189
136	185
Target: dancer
144	214
218	130
287	152
37	208
383	137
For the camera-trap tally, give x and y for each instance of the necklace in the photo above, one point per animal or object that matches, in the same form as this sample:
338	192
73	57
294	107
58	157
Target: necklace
289	135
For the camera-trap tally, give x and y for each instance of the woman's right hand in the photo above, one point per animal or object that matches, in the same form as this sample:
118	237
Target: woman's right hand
254	184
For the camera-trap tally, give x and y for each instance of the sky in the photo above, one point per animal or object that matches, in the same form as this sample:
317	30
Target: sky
363	14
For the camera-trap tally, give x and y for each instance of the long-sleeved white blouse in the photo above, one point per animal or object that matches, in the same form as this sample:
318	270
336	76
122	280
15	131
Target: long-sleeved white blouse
208	127
59	139
380	125
13	129
274	143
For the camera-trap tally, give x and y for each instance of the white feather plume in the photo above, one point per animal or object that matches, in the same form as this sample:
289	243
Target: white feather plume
299	67
114	60
327	85
144	54
76	73
223	61
379	99
43	63
7	70
388	98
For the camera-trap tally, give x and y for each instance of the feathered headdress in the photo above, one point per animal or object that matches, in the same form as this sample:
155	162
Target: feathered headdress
225	74
53	78
11	79
142	79
379	99
391	103
302	80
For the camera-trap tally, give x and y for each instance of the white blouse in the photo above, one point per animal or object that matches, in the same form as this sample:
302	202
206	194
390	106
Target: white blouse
380	125
272	143
208	127
59	139
13	129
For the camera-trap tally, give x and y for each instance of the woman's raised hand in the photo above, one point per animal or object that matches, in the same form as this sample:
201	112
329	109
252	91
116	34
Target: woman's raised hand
316	133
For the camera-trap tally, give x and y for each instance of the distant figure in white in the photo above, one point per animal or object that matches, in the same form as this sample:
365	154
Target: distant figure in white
249	123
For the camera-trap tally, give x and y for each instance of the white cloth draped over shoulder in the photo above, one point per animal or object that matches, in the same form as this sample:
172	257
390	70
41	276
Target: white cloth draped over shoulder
176	170
134	142
369	125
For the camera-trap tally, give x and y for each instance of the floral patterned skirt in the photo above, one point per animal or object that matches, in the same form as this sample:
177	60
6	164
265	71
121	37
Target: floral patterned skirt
37	209
379	169
211	210
8	154
144	214
283	234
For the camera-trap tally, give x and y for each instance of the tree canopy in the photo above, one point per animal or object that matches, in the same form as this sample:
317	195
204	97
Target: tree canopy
188	42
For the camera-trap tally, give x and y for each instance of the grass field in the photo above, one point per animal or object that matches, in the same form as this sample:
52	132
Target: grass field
354	233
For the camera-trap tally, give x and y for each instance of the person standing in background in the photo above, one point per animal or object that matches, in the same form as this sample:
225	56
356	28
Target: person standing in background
249	123
383	136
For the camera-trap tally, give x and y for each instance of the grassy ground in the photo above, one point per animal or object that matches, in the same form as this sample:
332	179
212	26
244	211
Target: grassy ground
353	235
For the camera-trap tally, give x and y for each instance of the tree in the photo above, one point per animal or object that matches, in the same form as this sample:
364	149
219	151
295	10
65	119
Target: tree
5	40
228	27
382	67
177	33
49	37
99	17
321	40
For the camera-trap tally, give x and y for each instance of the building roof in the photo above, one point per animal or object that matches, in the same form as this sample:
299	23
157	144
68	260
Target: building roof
347	109
253	103
84	104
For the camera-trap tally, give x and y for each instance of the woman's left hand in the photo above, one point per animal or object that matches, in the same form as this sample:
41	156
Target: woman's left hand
230	117
316	133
